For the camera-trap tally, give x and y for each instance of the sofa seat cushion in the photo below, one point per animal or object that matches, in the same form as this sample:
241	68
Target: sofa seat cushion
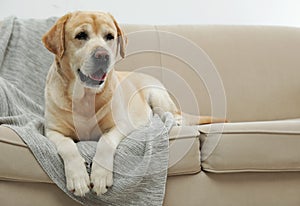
184	151
17	161
270	146
19	164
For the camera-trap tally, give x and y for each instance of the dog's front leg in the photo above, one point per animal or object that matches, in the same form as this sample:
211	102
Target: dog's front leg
76	174
102	168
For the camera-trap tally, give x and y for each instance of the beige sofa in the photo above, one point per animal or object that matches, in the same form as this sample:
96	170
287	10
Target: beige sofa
254	160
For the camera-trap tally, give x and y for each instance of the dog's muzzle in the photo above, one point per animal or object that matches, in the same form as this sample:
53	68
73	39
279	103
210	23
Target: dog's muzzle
100	62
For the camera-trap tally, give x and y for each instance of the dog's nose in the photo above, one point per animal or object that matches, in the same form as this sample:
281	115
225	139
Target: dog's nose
102	55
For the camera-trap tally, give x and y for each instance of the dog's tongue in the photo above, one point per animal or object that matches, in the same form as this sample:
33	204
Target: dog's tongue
96	76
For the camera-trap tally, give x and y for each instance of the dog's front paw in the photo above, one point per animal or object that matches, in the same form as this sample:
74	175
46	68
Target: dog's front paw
101	178
78	180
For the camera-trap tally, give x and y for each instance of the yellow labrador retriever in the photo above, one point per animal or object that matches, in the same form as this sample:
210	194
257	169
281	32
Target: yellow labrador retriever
85	95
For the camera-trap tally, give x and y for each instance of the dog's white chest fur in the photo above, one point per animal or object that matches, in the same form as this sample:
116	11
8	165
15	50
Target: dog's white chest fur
85	118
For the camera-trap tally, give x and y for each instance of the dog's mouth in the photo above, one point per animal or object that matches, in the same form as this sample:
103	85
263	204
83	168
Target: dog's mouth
94	80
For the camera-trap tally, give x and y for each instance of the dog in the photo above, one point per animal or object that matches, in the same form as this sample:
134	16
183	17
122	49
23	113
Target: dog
85	95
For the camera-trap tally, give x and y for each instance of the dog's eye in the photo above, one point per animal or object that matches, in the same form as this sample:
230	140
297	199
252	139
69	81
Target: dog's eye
109	37
81	36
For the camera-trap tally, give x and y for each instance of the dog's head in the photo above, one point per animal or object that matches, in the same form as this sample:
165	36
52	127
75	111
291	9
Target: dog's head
87	42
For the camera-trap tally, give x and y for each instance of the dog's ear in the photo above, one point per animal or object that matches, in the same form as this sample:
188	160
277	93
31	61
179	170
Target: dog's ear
122	40
54	39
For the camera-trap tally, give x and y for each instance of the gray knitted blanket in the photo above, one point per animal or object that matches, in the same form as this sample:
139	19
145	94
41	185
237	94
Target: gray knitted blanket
141	160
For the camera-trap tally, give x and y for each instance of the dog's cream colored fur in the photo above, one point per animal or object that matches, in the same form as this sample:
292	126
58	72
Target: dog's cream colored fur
75	111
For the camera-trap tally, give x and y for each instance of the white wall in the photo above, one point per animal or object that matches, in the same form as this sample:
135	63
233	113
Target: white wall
268	12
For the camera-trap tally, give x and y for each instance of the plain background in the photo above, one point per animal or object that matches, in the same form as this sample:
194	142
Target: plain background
232	12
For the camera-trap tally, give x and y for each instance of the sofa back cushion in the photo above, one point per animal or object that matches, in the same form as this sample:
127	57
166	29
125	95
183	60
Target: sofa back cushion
258	67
